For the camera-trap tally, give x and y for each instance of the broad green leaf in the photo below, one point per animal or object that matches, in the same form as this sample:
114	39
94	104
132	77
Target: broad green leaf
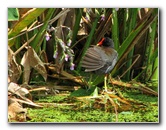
13	14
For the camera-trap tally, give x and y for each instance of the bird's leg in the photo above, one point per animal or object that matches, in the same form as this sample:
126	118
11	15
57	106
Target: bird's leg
111	82
105	82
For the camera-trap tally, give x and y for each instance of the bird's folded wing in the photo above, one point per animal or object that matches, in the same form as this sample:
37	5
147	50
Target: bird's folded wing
92	60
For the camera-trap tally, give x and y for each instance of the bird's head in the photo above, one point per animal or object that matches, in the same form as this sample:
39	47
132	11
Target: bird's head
107	42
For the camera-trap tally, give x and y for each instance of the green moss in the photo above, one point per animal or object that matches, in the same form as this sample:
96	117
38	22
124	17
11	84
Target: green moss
149	115
84	111
66	114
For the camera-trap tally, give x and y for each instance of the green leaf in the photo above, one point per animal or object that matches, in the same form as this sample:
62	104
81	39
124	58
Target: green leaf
95	93
154	56
13	14
115	32
40	35
24	22
83	92
77	24
129	40
88	42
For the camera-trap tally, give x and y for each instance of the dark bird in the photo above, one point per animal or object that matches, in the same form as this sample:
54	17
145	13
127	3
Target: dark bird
101	58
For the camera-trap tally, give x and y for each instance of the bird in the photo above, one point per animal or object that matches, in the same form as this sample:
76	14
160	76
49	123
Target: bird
101	58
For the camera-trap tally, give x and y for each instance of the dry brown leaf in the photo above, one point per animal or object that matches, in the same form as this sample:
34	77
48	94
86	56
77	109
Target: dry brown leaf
16	112
25	62
31	59
14	69
16	89
28	102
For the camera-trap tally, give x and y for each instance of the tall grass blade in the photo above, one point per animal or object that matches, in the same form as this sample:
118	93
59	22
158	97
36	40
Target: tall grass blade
40	35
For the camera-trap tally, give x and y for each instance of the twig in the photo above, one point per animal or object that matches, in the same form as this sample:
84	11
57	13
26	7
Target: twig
56	104
26	31
131	85
24	45
137	57
115	108
59	15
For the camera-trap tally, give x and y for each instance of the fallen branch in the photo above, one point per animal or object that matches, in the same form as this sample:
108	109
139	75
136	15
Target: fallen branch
135	85
55	104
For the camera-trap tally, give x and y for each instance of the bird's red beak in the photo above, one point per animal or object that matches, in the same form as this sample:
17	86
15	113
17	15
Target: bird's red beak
101	42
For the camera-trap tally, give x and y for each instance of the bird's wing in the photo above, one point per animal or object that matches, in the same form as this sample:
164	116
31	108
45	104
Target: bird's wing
107	54
92	60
